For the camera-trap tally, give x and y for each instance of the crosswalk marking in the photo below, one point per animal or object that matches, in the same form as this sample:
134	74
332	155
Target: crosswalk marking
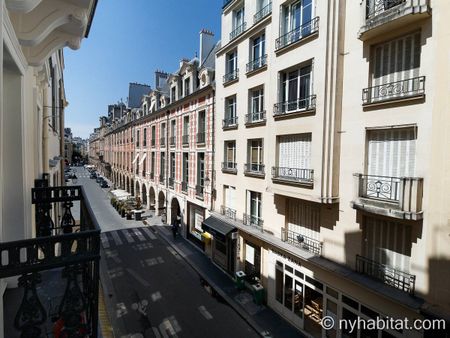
128	236
116	238
139	235
205	312
149	233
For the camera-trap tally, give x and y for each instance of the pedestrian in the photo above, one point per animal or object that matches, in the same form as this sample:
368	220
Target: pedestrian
174	229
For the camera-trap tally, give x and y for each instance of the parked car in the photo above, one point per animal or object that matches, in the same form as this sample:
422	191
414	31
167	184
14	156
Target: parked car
98	179
104	184
93	175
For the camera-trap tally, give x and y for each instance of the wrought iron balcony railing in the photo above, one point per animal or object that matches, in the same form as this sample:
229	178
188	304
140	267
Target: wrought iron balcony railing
377	7
262	13
293	175
228	212
171	182
238	31
201	137
231	76
301	241
302	104
199	191
394	90
185	140
172	140
256	117
254	169
230	122
254	221
257	63
297	34
403	194
388	275
184	186
63	259
162	141
229	167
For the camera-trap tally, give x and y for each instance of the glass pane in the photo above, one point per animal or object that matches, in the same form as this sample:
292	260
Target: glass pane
295	16
279	285
288	294
298	299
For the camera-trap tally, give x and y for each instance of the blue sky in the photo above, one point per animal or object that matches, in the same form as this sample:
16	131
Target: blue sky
128	41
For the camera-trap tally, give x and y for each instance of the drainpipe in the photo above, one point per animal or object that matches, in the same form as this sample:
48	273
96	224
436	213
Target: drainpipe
213	138
166	171
45	117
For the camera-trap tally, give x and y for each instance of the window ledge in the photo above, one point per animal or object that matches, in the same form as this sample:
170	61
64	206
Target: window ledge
394	100
294	113
256	70
297	43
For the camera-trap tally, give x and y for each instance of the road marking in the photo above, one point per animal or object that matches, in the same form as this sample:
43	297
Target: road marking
149	233
121	310
167	326
139	235
105	241
128	236
156	296
137	277
205	312
156	332
116	238
173	252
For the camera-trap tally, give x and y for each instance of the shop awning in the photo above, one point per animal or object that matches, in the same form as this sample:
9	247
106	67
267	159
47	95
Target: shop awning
135	159
142	158
215	226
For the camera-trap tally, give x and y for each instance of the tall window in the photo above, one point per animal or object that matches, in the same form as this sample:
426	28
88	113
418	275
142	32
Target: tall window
231	62
258	47
294	157
137	138
173	131
173	93
187	86
255	155
172	165
296	88
256	104
153	164
230	154
153	135
145	137
201	170
163	134
186	167
202	121
238	18
230	109
162	166
254	210
186	126
296	15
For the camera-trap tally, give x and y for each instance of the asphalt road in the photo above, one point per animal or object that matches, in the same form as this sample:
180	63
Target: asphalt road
150	291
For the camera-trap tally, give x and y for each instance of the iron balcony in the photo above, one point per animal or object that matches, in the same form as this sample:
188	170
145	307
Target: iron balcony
254	169
392	91
229	167
257	63
301	241
185	140
161	178
201	137
230	122
231	76
255	118
199	191
172	141
162	141
253	221
292	175
184	186
262	13
238	31
297	34
228	212
301	105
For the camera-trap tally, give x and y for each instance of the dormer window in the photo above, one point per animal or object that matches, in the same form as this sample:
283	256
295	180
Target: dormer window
173	93
187	86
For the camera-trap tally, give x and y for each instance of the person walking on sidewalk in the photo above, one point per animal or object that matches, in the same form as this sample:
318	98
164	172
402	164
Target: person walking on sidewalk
174	229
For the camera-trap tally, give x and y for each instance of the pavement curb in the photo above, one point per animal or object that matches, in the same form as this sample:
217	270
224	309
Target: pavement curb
259	330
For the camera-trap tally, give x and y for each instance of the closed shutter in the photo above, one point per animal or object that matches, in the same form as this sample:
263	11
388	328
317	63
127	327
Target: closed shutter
304	218
391	152
294	151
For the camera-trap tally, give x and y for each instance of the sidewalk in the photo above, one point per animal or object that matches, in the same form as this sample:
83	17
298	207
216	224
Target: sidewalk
263	319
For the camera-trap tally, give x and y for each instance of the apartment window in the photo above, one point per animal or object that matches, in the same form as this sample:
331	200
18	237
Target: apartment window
230	119
163	134
294	16
230	200
295	90
254	207
395	69
238	17
173	131
303	219
153	164
200	173
172	165
230	154
255	156
145	137
294	158
256	103
137	138
162	166
185	170
231	67
201	134
153	135
258	52
187	86
173	93
186	130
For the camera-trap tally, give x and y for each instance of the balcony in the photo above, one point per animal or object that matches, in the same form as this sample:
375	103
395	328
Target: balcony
262	13
58	270
184	186
293	176
302	106
298	34
382	16
301	241
254	169
257	64
199	191
228	212
398	197
162	142
231	77
185	140
386	274
161	179
238	31
172	140
253	221
403	90
230	123
201	137
229	167
256	118
171	182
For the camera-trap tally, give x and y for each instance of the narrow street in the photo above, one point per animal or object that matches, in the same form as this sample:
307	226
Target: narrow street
150	291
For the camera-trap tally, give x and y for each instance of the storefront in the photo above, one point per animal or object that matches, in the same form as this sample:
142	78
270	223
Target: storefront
222	243
194	231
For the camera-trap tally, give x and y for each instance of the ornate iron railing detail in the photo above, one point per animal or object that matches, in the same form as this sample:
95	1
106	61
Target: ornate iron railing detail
228	212
262	13
394	90
185	139
307	103
201	137
377	7
230	122
380	187
254	168
388	275
255	117
231	76
257	63
230	167
71	248
297	34
253	221
184	186
293	174
238	31
302	241
199	191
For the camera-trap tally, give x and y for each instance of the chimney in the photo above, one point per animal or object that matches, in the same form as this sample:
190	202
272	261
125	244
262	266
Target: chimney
206	44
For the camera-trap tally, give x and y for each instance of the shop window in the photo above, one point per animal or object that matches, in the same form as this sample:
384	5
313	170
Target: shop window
288	291
313	311
312	281
348	317
350	302
369	313
298	299
332	312
252	262
332	292
299	274
220	246
279	284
